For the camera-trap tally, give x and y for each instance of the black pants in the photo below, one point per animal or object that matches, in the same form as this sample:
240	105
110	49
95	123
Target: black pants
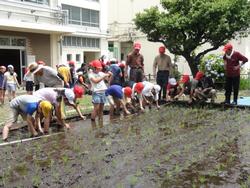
162	80
232	83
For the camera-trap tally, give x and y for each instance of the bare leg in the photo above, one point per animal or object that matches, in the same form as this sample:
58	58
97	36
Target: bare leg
100	111
6	129
95	111
9	95
13	94
31	127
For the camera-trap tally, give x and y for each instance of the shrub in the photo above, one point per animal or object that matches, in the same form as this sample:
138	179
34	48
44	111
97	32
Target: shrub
213	66
244	84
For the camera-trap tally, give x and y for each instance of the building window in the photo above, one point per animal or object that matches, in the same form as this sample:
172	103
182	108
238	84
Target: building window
78	57
81	42
82	16
41	2
12	41
69	57
4	42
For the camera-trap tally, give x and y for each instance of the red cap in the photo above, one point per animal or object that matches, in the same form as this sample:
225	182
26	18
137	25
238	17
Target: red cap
185	78
228	46
128	92
71	63
137	46
122	65
139	87
96	64
40	62
199	75
162	50
78	90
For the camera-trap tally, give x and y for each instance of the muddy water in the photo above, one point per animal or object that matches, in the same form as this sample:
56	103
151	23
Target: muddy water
173	147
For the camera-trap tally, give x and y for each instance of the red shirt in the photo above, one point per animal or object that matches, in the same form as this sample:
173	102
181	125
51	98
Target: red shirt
169	86
234	61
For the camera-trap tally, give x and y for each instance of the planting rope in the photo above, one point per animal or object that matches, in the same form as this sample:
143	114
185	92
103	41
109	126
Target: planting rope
29	139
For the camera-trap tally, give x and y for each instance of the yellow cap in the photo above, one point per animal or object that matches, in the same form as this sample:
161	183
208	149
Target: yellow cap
46	107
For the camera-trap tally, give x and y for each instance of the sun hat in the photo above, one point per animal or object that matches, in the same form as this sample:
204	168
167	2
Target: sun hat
139	87
70	95
33	66
172	81
46	107
185	78
199	75
127	91
228	46
78	91
137	46
162	49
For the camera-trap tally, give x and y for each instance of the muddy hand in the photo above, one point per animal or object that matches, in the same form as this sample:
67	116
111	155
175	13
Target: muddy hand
67	126
83	117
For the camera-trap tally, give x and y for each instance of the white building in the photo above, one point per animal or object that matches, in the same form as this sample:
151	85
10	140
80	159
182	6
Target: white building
123	34
51	30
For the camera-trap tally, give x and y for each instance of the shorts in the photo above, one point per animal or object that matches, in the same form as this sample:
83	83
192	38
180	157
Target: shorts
29	85
99	98
11	87
15	113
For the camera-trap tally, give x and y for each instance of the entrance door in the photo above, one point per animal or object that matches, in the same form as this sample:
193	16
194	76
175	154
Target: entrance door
11	57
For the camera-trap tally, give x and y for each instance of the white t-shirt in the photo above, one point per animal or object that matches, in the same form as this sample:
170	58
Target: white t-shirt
10	78
147	90
100	86
48	94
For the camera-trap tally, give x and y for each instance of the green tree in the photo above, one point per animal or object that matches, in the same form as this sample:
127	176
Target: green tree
184	25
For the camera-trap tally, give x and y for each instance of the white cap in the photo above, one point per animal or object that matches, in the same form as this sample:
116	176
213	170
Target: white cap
10	66
70	95
156	87
172	81
113	60
79	73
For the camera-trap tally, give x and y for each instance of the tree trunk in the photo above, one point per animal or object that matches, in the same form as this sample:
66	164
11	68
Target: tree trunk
192	65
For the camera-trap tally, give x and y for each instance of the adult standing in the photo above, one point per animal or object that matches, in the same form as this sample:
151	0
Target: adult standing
163	64
46	75
232	66
135	62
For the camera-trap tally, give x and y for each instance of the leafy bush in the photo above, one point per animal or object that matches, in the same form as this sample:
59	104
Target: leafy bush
244	84
213	66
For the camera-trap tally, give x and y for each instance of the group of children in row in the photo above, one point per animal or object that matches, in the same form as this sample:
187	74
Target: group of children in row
106	87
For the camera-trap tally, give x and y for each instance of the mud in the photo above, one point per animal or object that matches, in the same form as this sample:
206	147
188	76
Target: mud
172	147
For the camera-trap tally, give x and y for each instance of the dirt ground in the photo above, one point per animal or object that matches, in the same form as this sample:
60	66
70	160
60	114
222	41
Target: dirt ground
173	147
